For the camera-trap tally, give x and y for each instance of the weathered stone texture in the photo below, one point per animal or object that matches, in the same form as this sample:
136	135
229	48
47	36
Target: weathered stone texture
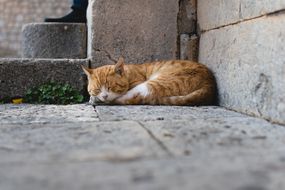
138	30
26	114
203	148
54	40
19	75
78	142
187	17
161	113
216	13
248	60
189	47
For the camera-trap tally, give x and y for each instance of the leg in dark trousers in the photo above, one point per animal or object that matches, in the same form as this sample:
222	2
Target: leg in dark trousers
77	15
80	4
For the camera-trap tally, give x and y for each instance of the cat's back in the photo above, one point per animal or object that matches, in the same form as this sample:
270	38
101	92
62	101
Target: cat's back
182	75
176	82
176	67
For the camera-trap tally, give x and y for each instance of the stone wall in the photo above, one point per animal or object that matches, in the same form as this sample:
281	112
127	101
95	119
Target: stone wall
242	41
15	13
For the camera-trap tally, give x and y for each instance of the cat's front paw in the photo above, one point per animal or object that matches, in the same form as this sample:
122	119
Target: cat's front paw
126	100
120	101
94	101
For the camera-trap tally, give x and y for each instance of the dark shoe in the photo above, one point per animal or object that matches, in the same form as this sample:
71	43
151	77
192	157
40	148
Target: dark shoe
76	16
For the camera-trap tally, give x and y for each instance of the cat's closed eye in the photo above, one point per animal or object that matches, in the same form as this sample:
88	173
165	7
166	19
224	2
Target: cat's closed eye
120	85
94	92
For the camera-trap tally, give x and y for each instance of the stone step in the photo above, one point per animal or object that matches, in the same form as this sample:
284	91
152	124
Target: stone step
54	40
19	75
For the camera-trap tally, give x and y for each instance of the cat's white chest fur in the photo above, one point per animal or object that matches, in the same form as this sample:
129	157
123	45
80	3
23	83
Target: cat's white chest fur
140	90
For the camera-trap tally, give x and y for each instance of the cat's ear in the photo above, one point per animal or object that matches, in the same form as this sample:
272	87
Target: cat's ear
87	71
119	67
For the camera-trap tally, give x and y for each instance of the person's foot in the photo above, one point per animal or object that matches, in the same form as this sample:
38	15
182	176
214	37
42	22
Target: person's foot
76	16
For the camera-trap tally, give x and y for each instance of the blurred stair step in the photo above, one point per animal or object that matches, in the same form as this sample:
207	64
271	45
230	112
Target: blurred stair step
54	40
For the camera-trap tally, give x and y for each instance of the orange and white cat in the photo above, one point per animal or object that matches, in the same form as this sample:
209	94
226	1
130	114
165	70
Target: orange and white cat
175	82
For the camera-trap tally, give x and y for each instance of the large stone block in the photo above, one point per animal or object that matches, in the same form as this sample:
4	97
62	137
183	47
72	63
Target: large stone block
54	40
217	13
248	60
19	75
138	30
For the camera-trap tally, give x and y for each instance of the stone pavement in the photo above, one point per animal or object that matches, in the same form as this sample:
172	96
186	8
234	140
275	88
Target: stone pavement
138	147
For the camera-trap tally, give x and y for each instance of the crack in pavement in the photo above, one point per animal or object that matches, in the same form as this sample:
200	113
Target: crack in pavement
157	140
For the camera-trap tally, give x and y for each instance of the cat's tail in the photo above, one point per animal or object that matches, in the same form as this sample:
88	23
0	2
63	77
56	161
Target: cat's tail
202	96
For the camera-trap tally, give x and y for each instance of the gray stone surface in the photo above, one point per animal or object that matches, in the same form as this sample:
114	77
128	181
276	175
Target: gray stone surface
234	135
138	30
217	13
189	47
127	148
248	62
24	114
153	113
19	75
76	142
187	17
54	40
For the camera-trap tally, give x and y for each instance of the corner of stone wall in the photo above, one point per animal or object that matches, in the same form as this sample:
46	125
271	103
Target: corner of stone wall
243	44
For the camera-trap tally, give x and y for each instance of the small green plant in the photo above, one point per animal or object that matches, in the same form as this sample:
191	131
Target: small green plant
53	93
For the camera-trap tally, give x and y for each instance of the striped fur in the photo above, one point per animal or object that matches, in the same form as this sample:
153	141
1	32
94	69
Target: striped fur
176	82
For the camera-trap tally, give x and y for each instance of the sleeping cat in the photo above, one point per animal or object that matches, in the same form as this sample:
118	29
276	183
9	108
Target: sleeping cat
175	82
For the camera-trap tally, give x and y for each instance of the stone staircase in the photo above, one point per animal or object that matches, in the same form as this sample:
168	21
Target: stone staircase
51	52
19	75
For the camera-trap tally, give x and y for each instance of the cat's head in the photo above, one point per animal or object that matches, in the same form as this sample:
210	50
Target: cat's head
107	83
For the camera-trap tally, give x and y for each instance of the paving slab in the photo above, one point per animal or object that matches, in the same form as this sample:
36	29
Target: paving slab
138	147
24	114
147	113
227	136
78	142
214	173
